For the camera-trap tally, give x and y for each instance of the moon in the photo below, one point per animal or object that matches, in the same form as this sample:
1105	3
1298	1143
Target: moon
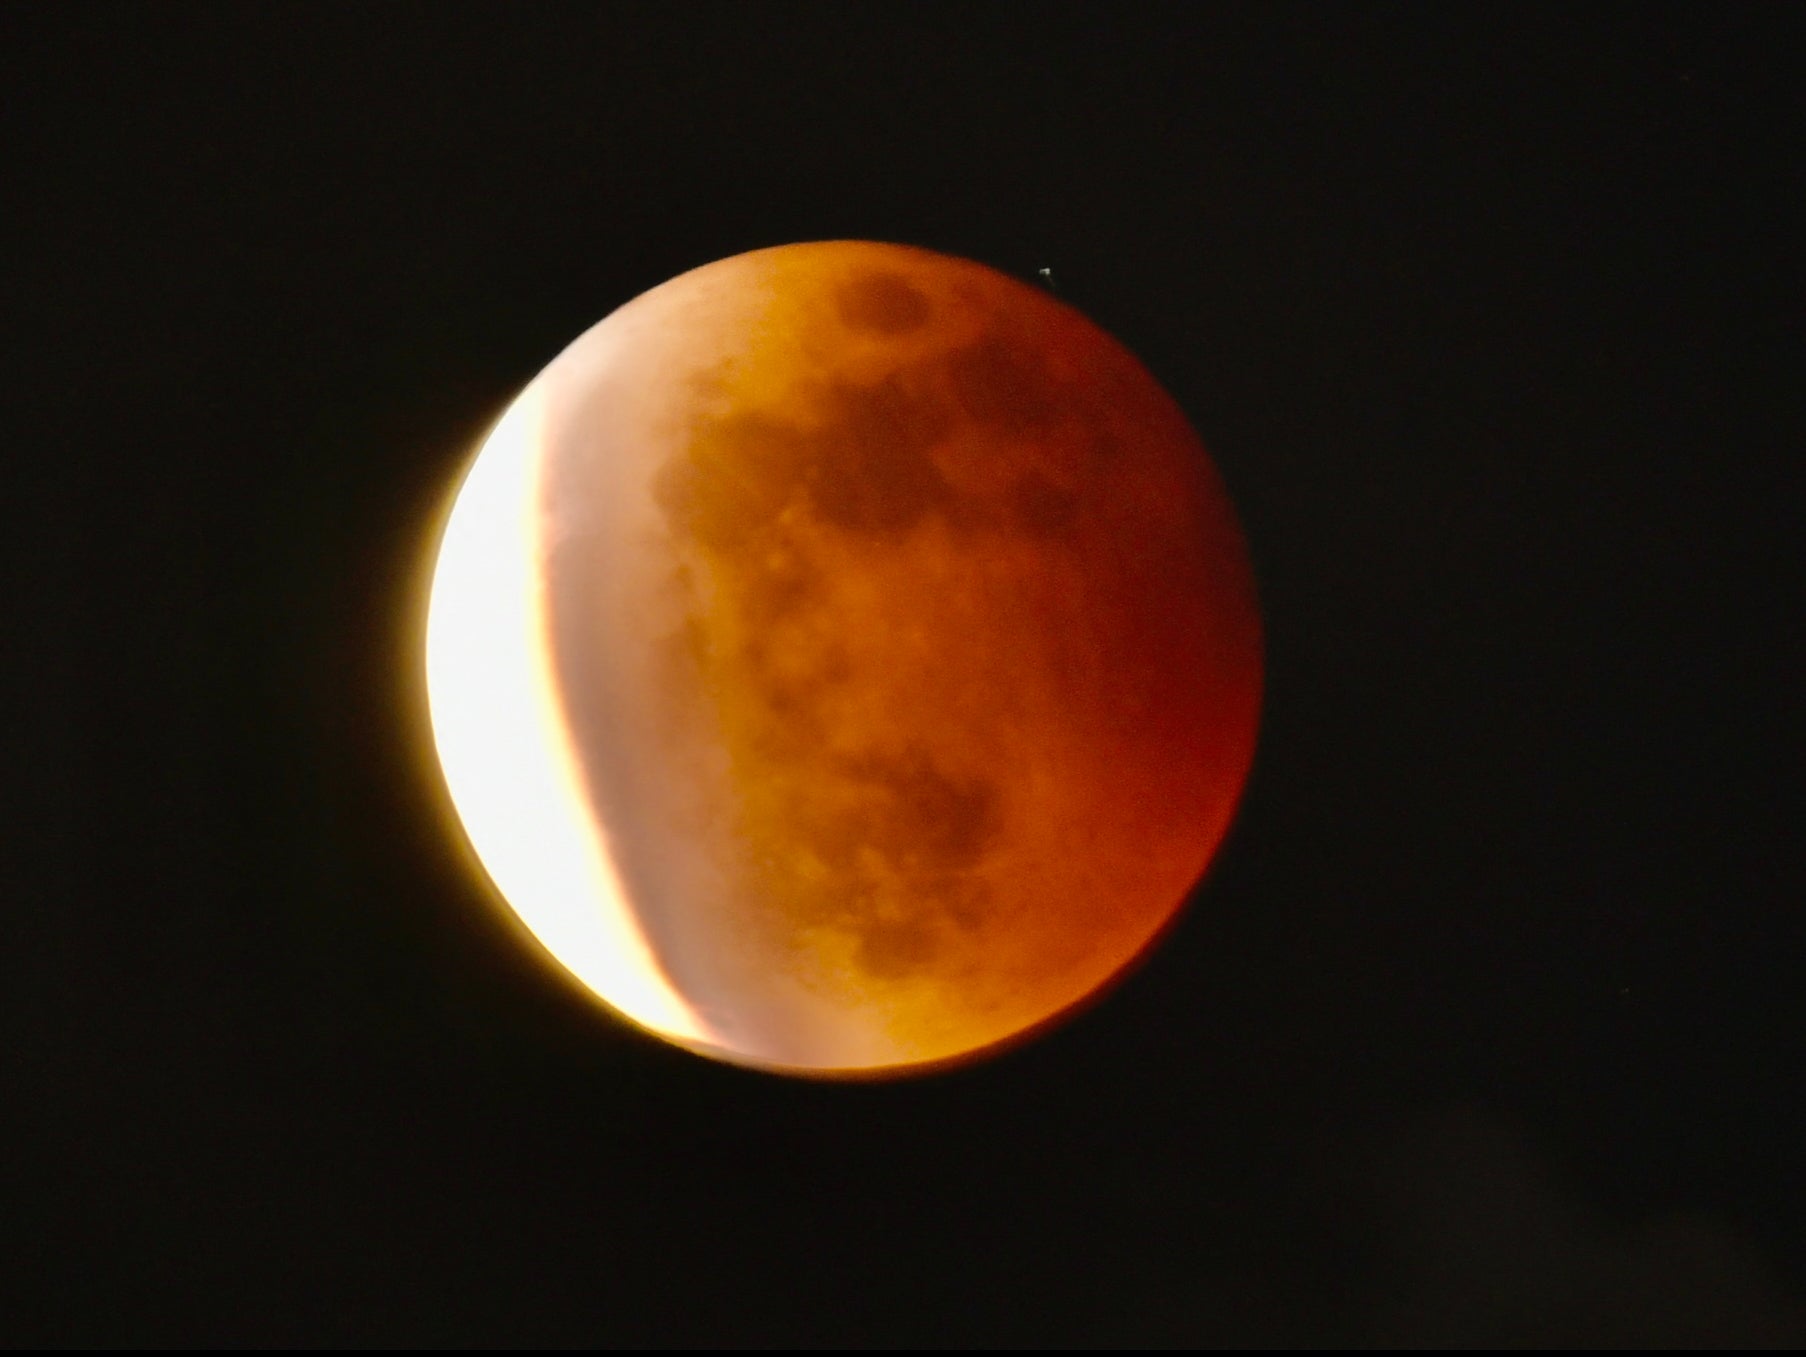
844	659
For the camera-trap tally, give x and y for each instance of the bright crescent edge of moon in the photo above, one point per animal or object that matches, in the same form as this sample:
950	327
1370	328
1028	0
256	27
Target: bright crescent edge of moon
502	744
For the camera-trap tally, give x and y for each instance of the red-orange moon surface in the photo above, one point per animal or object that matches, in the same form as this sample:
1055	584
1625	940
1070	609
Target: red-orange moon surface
844	658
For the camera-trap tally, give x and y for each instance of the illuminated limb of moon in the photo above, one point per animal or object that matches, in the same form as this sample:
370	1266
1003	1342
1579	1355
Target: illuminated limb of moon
501	740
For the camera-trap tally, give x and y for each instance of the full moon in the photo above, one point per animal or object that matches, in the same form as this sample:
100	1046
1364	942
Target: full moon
844	659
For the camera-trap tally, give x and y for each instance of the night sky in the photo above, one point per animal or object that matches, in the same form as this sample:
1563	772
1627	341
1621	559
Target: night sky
1487	1025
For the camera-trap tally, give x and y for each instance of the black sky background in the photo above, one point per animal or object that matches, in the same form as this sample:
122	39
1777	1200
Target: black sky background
1487	1026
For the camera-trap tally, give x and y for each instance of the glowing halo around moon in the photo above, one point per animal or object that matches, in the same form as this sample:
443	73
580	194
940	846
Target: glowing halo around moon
843	659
